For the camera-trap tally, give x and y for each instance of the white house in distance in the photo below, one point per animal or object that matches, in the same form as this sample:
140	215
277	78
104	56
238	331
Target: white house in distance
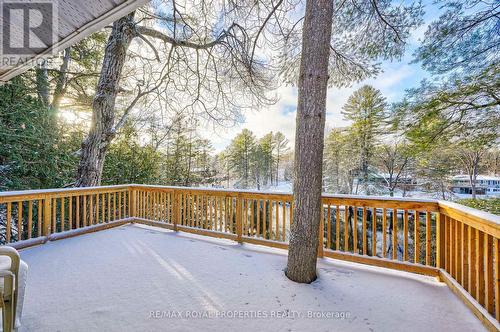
485	185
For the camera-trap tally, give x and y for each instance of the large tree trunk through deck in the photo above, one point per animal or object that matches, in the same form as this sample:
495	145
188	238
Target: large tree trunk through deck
309	139
94	147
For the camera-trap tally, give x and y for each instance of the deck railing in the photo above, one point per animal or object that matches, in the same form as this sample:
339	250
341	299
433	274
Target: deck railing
459	245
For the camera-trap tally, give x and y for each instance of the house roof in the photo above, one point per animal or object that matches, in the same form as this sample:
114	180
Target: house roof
464	177
73	21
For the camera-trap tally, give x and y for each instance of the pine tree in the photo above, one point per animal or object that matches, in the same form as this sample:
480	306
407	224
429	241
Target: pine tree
366	109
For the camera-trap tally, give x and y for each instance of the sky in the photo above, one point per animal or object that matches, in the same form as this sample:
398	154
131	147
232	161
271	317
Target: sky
395	78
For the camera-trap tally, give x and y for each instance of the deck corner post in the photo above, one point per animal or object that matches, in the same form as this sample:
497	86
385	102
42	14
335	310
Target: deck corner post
47	213
239	223
133	202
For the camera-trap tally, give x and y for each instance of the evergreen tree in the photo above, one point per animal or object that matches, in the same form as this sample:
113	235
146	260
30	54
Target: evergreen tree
366	109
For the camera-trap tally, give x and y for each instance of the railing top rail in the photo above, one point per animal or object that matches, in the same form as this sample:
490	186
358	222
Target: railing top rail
288	193
41	192
482	220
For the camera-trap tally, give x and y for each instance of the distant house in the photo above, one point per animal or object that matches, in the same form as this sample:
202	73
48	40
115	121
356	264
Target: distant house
485	185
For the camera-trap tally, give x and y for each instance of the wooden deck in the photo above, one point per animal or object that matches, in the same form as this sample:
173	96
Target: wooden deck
136	277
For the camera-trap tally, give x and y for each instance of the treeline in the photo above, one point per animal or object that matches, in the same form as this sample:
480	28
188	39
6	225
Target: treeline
255	163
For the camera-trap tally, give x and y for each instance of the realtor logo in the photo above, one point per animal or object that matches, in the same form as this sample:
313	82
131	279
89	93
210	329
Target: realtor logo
27	28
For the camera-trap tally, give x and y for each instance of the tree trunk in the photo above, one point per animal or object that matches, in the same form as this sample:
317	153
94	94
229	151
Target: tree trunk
42	83
309	140
95	146
61	80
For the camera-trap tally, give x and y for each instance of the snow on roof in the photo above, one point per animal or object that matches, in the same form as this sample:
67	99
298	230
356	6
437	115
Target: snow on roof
72	20
479	177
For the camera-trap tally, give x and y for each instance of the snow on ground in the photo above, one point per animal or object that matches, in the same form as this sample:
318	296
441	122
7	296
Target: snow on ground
138	278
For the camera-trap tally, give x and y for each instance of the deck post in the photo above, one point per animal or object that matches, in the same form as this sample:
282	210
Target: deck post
132	202
47	212
239	223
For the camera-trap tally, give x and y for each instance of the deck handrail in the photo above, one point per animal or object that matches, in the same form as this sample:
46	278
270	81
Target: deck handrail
458	244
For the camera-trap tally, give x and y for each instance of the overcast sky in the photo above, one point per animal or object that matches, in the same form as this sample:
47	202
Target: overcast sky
393	81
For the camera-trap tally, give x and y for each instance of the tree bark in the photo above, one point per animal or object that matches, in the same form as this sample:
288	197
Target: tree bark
94	147
309	140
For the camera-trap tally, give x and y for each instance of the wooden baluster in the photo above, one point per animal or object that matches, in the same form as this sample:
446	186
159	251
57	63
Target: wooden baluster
19	220
9	223
39	210
405	234
108	200
200	211
463	253
394	234
63	216
283	206
252	217
472	262
70	212
97	206
30	218
447	241
496	259
54	216
346	228
239	223
149	205
264	223
190	201
119	205
277	222
488	276
205	212
416	237
132	204
374	232
168	213
271	220
337	227
459	252
428	238
216	201
258	216
113	195
456	247
138	196
77	212
183	209
480	266
364	231
329	227
91	207
384	232
355	228
440	241
84	210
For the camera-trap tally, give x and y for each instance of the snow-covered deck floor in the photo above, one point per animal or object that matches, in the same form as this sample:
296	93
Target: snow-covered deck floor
133	277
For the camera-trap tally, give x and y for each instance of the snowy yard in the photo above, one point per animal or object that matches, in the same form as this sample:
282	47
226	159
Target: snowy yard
142	278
